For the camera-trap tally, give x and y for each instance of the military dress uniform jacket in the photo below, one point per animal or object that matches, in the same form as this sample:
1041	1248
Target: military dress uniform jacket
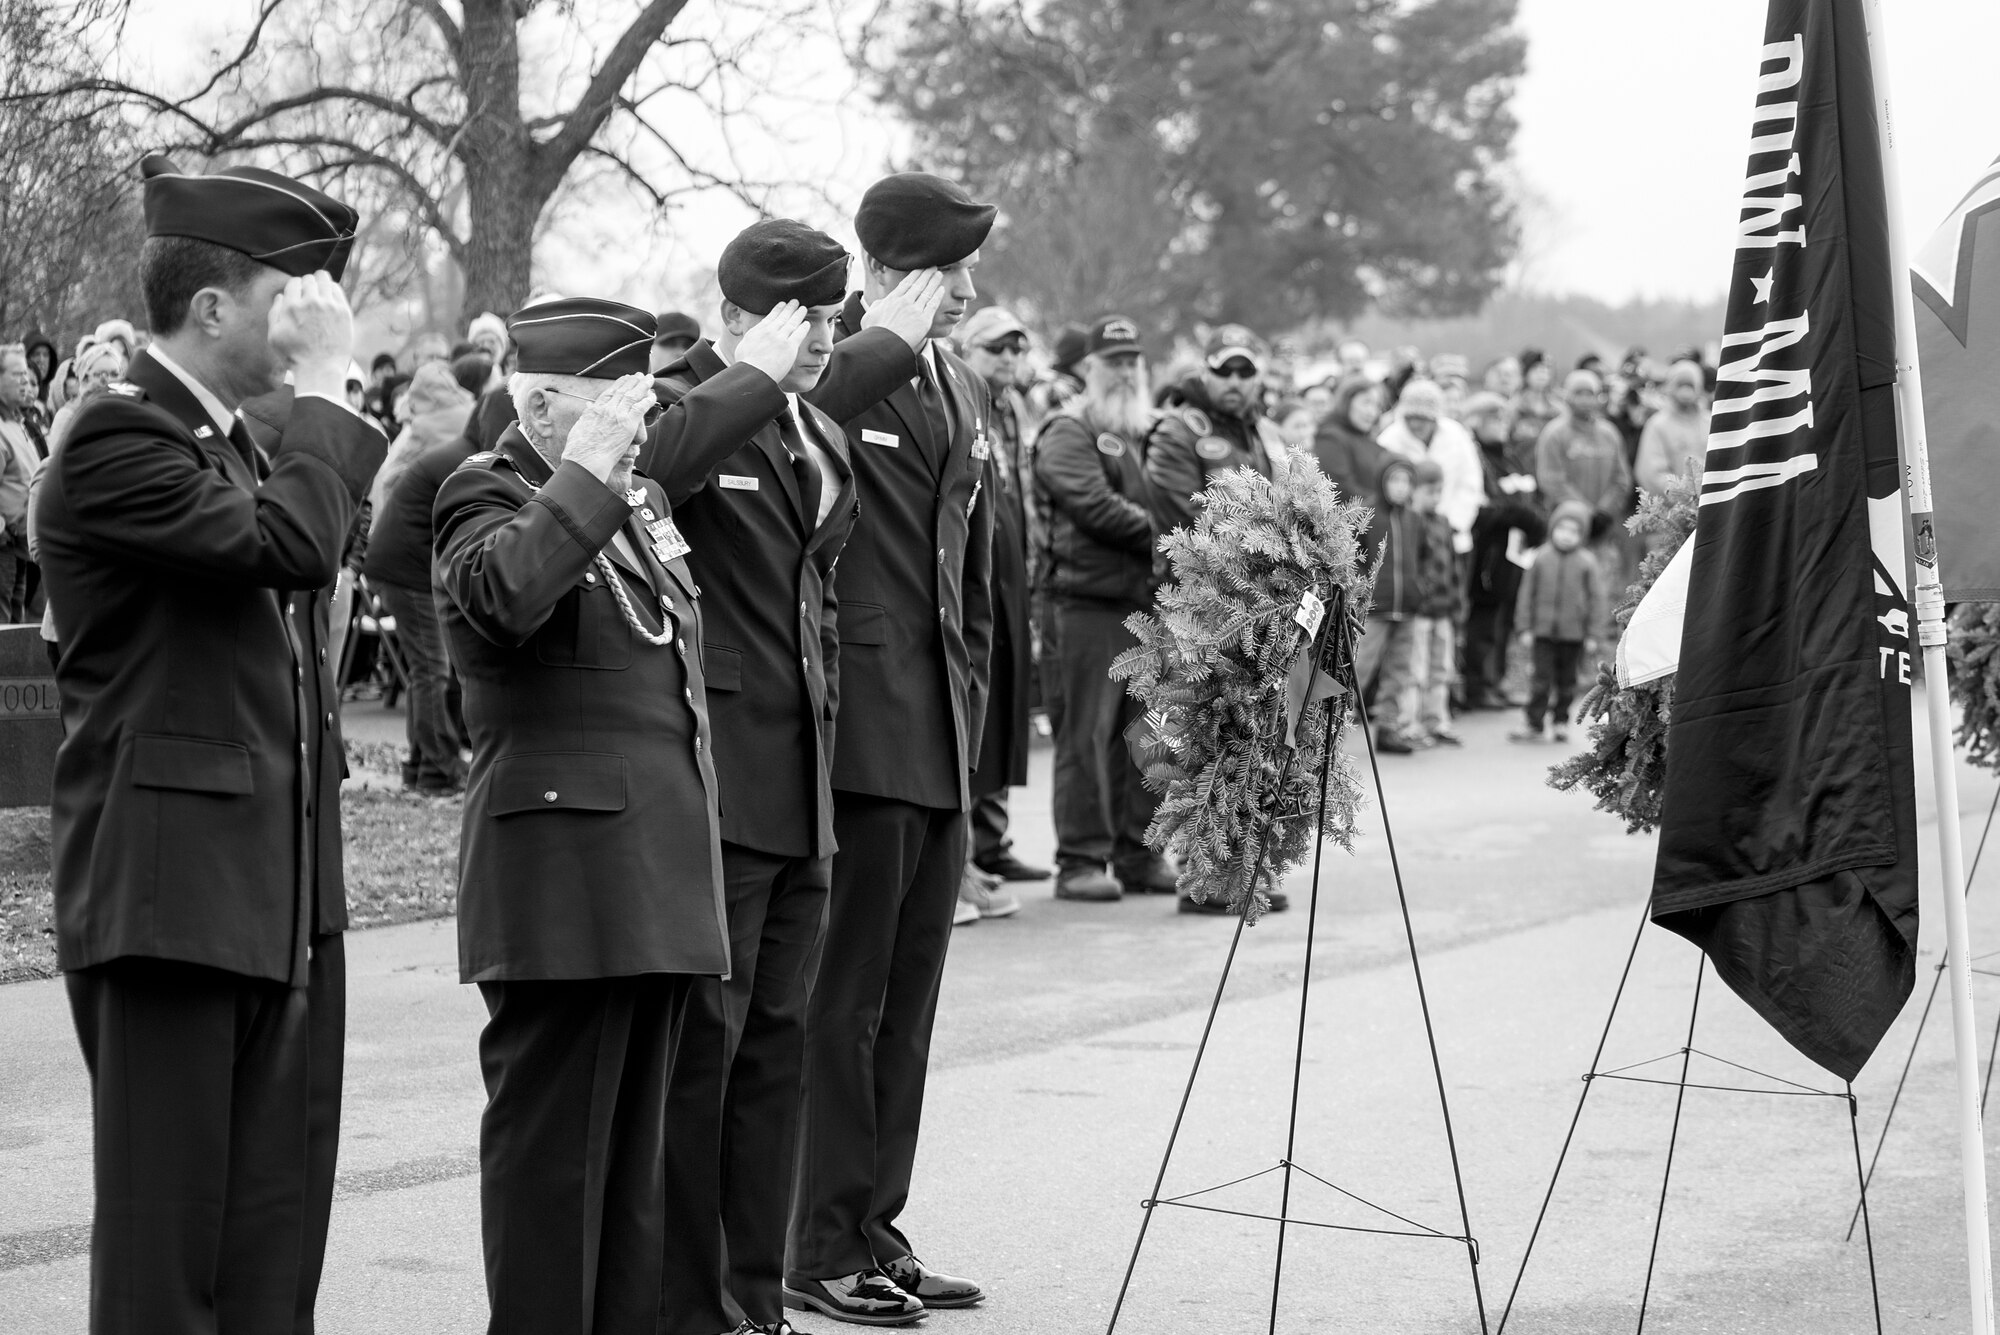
1191	442
770	637
196	807
916	607
591	847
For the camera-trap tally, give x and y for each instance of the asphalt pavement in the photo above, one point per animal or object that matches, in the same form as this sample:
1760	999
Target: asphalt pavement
1066	1039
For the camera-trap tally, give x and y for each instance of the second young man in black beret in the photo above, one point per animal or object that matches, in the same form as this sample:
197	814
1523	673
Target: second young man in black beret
916	628
766	512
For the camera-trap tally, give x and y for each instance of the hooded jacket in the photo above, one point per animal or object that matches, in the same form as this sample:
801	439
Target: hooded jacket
1395	542
37	339
1563	594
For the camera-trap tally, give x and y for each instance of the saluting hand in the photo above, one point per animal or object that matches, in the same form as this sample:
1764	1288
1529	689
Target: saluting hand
909	311
312	333
605	440
772	344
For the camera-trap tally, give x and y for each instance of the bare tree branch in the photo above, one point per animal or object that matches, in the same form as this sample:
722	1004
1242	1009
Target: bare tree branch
601	96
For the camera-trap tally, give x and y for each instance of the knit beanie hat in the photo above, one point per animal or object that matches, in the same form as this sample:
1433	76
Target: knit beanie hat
1576	512
1427	474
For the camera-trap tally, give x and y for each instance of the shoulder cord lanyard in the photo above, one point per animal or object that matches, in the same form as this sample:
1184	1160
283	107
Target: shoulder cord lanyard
631	613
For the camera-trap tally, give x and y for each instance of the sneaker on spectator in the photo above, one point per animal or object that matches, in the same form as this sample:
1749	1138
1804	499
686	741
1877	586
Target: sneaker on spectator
981	889
1531	735
1560	735
1091	884
1392	743
965	914
1445	737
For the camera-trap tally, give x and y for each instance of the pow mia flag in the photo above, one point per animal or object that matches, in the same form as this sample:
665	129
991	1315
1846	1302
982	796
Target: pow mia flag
1788	829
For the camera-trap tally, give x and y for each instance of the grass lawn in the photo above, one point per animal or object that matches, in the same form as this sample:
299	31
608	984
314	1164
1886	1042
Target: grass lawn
402	864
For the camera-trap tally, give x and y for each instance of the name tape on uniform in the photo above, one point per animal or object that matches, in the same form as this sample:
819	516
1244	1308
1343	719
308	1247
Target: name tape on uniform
873	437
731	482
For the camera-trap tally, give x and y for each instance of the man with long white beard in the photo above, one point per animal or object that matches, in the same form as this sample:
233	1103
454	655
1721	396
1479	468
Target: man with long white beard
1091	489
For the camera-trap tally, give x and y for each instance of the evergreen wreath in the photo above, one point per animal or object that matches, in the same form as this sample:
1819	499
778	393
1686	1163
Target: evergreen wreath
1975	680
1626	765
1239	806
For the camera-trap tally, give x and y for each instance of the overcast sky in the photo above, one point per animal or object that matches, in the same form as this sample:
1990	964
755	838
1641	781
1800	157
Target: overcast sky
1633	126
1634	122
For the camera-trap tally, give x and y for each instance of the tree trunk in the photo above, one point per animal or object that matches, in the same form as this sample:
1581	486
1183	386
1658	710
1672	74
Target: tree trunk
503	197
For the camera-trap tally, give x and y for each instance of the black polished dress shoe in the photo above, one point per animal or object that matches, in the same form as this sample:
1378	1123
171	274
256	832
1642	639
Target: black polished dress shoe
929	1287
1010	868
865	1298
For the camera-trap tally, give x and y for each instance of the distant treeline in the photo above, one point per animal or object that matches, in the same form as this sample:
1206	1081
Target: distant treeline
1564	327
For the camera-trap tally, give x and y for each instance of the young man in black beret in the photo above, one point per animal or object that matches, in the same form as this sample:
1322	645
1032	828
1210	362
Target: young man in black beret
767	513
196	824
916	627
590	872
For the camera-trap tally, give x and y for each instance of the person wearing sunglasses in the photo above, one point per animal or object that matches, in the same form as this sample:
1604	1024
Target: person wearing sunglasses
996	347
1214	420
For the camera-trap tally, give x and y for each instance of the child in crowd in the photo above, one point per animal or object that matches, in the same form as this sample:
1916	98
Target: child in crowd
1434	650
1395	541
1562	597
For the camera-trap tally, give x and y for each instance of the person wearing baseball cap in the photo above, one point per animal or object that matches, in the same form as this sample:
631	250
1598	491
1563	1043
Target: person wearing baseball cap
590	887
1214	420
767	510
196	822
996	347
1091	489
916	632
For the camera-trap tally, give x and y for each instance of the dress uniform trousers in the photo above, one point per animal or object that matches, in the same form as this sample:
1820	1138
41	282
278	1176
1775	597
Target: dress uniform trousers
216	1102
570	1148
895	886
1102	805
736	1084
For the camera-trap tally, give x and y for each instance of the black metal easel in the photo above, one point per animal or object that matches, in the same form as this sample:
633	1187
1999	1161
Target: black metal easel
1336	625
1681	1085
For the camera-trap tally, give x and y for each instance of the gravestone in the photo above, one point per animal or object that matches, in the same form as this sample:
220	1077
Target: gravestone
30	718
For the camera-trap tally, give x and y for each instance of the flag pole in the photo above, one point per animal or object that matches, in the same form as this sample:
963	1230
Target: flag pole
1933	634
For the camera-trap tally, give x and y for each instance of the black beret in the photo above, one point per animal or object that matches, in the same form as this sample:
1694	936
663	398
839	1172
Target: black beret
914	220
582	336
781	260
676	324
271	218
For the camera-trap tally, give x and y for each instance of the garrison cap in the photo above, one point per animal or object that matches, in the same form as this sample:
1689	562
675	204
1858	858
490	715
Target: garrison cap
778	260
271	218
913	220
582	336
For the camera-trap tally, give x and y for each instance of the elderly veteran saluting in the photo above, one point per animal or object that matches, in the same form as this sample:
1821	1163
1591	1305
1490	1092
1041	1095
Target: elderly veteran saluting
199	904
916	627
590	889
767	511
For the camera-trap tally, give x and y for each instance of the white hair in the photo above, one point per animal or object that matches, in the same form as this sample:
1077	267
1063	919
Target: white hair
522	385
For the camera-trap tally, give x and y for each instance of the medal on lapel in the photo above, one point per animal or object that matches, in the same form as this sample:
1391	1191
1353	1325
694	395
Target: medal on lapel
668	544
980	449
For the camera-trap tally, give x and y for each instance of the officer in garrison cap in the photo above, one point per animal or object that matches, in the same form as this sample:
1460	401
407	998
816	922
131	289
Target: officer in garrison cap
590	888
1214	420
916	626
767	509
199	903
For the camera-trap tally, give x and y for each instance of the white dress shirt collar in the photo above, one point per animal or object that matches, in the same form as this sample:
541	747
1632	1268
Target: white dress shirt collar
224	419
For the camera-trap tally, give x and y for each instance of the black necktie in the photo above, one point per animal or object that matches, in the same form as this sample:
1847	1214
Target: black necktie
932	400
253	458
802	466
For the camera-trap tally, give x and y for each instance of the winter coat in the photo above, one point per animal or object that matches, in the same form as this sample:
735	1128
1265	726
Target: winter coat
1352	458
1438	593
1671	446
1097	528
1452	449
1584	461
1562	594
1395	544
434	414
